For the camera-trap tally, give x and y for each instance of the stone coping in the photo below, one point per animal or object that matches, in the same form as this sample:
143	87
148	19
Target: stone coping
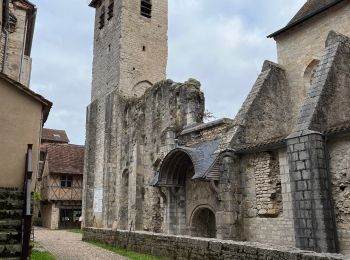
152	243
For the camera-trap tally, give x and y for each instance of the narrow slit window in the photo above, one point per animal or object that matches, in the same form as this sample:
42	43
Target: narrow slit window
110	10
102	18
146	8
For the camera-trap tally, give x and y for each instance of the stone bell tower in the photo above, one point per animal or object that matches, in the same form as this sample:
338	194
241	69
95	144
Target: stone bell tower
130	55
130	45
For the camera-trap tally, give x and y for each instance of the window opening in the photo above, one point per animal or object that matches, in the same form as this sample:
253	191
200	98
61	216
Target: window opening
102	18
110	10
42	156
56	136
143	48
66	181
146	8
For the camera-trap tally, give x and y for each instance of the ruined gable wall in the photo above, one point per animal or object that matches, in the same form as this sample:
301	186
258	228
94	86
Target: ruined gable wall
298	47
204	135
334	103
269	111
266	107
132	135
266	187
143	135
339	154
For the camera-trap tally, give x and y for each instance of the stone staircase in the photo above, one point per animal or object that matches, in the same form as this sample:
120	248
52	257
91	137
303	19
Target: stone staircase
11	209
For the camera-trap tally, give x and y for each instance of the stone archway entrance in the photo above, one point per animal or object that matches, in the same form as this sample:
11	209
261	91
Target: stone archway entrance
203	223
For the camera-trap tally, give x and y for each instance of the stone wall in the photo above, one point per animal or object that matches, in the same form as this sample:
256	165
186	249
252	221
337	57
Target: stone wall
122	137
299	47
50	215
275	228
339	155
17	65
183	247
130	51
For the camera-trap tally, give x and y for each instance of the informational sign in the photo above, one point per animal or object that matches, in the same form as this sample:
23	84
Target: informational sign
98	197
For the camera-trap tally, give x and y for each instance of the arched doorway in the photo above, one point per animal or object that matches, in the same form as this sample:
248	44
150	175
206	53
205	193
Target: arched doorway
203	223
177	168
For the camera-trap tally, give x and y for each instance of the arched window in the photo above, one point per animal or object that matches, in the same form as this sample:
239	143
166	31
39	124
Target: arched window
110	10
309	73
102	18
146	8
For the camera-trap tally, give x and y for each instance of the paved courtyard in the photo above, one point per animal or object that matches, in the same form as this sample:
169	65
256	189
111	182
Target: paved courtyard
65	245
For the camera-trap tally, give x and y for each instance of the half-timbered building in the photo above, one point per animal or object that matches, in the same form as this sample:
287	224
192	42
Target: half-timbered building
61	182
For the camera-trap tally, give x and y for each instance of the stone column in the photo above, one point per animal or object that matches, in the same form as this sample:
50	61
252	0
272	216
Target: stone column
311	193
228	217
176	211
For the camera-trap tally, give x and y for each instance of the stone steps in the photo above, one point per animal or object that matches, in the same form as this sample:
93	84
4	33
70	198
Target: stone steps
10	250
11	213
11	194
8	204
10	237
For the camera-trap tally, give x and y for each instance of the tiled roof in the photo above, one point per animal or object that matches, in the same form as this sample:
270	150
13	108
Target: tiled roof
65	158
268	144
54	136
309	9
338	129
93	3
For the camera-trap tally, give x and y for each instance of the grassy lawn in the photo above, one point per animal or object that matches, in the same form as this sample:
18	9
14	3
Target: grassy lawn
124	252
75	230
39	255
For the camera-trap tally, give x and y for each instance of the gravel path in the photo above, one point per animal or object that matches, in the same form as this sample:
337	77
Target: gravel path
67	245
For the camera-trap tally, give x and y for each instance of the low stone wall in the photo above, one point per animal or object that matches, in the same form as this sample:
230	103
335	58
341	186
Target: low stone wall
183	247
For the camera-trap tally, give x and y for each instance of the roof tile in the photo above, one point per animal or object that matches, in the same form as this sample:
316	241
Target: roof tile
65	158
54	136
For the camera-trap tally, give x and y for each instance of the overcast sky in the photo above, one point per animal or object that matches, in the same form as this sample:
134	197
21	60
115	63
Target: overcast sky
221	43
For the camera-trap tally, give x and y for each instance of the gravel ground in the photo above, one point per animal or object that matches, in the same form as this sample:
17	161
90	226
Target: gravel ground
67	245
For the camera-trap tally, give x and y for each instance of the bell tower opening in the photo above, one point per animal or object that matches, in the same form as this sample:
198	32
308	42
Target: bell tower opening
121	59
146	8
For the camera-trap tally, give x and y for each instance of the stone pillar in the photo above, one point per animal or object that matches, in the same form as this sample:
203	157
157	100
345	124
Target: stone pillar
311	193
55	217
229	216
176	211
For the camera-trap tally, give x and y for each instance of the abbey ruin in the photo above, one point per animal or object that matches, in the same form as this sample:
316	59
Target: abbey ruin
277	173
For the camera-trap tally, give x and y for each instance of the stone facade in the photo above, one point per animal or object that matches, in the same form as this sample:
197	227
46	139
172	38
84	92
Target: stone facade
16	39
277	173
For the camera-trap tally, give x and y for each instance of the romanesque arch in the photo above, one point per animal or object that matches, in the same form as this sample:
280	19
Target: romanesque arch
203	222
309	72
140	88
177	167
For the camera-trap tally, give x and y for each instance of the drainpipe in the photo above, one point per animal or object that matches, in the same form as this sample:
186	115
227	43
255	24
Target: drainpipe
5	30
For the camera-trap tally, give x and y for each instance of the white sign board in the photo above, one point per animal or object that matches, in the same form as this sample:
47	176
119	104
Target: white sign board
98	197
